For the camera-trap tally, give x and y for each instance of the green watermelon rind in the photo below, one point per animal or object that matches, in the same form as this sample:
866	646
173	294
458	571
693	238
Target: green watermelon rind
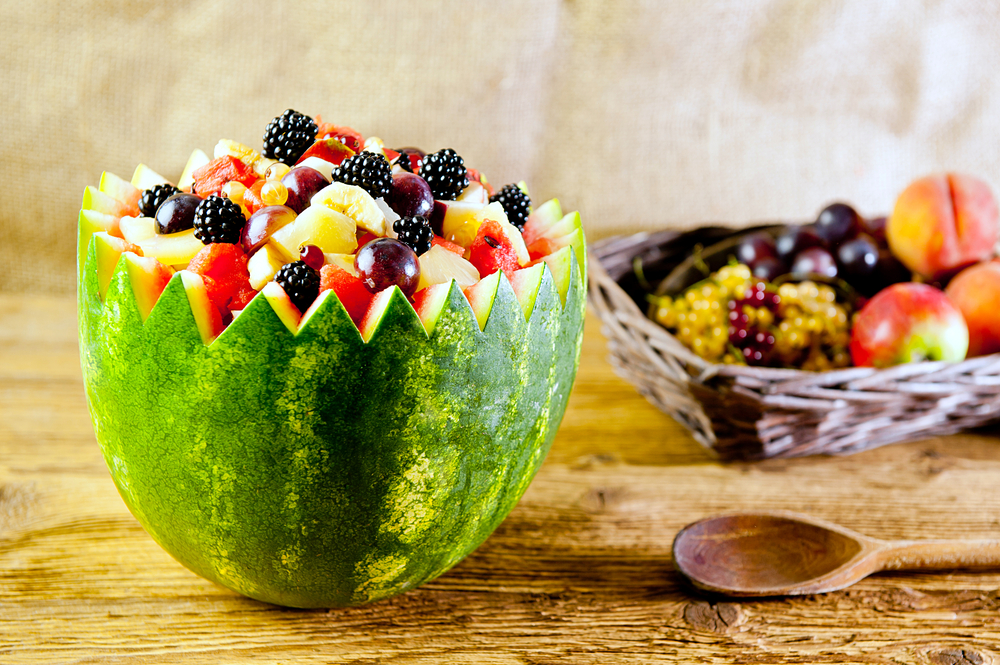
314	469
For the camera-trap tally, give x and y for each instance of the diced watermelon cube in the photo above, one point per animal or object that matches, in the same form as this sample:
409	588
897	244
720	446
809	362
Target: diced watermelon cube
492	250
242	297
351	291
225	268
450	246
210	178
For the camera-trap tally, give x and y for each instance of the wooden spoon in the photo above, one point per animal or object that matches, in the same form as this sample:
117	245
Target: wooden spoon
785	554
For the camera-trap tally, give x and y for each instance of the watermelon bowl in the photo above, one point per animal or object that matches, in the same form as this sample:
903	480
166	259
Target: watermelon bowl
312	464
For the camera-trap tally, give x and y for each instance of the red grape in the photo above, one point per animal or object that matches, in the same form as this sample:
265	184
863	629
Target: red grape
769	268
302	182
385	262
755	247
312	256
262	224
410	196
795	239
814	260
837	222
857	258
875	227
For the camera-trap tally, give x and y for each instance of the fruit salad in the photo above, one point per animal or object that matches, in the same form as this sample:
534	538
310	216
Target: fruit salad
322	371
847	289
321	208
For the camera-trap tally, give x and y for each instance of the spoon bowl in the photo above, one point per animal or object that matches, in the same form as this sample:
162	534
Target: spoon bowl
779	553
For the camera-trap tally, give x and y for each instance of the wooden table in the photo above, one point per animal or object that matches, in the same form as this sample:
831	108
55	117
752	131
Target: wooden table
579	573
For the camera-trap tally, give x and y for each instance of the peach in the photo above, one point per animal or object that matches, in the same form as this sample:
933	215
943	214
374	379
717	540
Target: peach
908	322
942	223
976	293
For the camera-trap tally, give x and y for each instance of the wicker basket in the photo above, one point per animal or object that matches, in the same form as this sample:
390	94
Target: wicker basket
754	413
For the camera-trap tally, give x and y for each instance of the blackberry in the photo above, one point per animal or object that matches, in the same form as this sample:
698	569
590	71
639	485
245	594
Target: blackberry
154	196
445	172
300	282
368	170
217	219
404	162
288	136
415	232
416	158
515	203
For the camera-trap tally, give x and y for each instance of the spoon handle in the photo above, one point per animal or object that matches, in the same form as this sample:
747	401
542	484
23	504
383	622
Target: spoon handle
940	554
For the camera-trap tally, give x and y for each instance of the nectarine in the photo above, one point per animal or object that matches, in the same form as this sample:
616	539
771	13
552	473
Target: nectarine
976	293
942	223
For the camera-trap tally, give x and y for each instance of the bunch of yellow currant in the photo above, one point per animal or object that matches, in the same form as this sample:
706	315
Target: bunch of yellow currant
732	317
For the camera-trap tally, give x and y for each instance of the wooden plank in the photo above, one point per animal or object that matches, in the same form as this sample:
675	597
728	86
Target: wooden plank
579	573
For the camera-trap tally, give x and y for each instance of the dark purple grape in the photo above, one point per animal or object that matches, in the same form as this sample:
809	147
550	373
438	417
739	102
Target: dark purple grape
814	260
875	227
176	213
857	258
795	239
837	222
754	248
385	262
302	183
769	268
410	196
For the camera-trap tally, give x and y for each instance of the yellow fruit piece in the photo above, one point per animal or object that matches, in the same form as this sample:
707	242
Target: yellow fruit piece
374	144
138	229
98	201
120	189
197	160
331	231
174	249
244	153
462	221
439	265
342	261
145	177
354	202
264	265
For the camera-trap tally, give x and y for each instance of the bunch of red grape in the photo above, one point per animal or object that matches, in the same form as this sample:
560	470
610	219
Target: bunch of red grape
840	243
732	317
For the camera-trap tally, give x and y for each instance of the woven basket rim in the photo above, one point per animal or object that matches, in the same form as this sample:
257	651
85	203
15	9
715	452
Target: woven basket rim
710	369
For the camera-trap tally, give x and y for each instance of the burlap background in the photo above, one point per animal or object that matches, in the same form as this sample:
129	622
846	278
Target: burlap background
640	114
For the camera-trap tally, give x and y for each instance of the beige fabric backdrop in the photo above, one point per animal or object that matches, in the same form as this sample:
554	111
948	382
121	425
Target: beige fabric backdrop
643	115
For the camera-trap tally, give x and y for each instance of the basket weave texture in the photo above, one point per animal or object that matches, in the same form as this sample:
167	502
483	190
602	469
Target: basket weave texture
747	413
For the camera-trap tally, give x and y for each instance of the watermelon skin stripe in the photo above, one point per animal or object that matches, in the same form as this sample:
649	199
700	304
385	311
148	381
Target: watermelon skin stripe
315	470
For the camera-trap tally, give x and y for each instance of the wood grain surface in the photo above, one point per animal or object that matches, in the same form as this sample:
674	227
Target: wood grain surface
579	573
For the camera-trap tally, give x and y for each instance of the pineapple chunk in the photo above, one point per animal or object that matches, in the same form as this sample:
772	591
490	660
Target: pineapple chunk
438	265
331	231
264	265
